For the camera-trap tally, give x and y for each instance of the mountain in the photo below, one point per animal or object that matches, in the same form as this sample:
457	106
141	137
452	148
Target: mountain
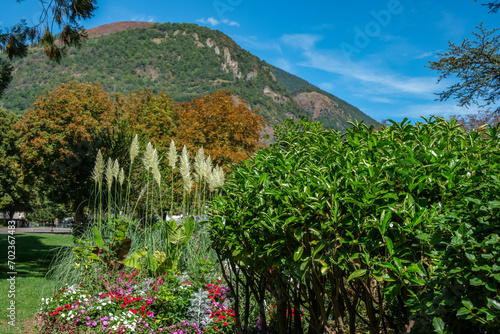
184	60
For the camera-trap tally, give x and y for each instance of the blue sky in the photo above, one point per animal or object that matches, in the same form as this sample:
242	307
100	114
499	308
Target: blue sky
370	53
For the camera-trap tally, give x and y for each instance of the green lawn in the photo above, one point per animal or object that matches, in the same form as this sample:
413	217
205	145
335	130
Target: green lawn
34	253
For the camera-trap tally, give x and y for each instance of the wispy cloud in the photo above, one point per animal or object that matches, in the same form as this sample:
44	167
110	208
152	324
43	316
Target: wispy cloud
284	64
424	55
374	77
301	41
437	108
143	18
253	42
214	22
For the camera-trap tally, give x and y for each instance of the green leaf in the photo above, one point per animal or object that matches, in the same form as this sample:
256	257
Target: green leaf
494	204
390	246
463	311
495	303
467	303
134	259
386	219
476	281
298	253
98	238
318	248
356	274
438	325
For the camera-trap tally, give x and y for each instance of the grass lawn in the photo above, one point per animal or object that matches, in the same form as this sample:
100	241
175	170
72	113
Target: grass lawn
34	254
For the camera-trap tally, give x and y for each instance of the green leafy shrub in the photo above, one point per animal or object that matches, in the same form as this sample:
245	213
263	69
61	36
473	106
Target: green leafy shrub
348	227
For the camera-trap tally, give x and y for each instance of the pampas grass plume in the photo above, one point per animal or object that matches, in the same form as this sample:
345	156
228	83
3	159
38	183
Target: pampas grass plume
98	168
172	155
147	159
134	149
109	173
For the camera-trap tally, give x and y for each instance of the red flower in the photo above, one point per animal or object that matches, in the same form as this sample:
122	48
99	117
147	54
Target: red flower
225	324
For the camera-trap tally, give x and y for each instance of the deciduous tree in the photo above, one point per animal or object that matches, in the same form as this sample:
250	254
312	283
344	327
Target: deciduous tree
13	192
61	135
476	121
148	115
222	123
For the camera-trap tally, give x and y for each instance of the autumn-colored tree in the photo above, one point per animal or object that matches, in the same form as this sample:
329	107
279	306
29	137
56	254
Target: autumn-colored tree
223	124
60	137
475	121
13	192
149	116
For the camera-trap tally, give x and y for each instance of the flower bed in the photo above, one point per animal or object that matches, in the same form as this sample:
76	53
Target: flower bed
133	303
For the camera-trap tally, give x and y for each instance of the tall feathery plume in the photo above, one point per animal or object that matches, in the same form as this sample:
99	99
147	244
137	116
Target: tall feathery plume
109	173
98	168
172	155
97	175
219	174
207	168
199	161
121	177
185	167
155	163
116	169
172	161
134	152
134	149
188	184
212	180
147	159
109	179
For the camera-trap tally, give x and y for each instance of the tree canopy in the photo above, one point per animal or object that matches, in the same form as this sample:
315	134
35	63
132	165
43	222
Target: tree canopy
64	14
13	192
476	63
60	137
223	124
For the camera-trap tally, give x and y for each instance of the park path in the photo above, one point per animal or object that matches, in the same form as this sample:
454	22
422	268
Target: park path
37	230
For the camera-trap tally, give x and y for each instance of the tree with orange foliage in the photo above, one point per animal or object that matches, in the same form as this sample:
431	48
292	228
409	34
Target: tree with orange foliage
60	137
222	123
475	121
149	116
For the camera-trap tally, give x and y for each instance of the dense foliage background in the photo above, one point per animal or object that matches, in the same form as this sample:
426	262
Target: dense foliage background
373	227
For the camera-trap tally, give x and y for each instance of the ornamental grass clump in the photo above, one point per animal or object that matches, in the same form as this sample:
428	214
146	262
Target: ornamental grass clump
128	234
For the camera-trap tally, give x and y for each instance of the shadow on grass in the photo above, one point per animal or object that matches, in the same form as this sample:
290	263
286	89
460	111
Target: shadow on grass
33	253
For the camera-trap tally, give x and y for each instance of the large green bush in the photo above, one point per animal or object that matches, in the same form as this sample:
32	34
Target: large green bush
370	228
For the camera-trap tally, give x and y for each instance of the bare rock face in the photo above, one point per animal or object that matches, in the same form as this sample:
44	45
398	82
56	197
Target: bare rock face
230	65
278	98
210	43
320	106
253	74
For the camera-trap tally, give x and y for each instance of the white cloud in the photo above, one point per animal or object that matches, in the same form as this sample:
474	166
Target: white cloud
424	55
326	86
388	82
253	42
143	18
380	99
284	64
434	109
214	22
301	41
370	73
